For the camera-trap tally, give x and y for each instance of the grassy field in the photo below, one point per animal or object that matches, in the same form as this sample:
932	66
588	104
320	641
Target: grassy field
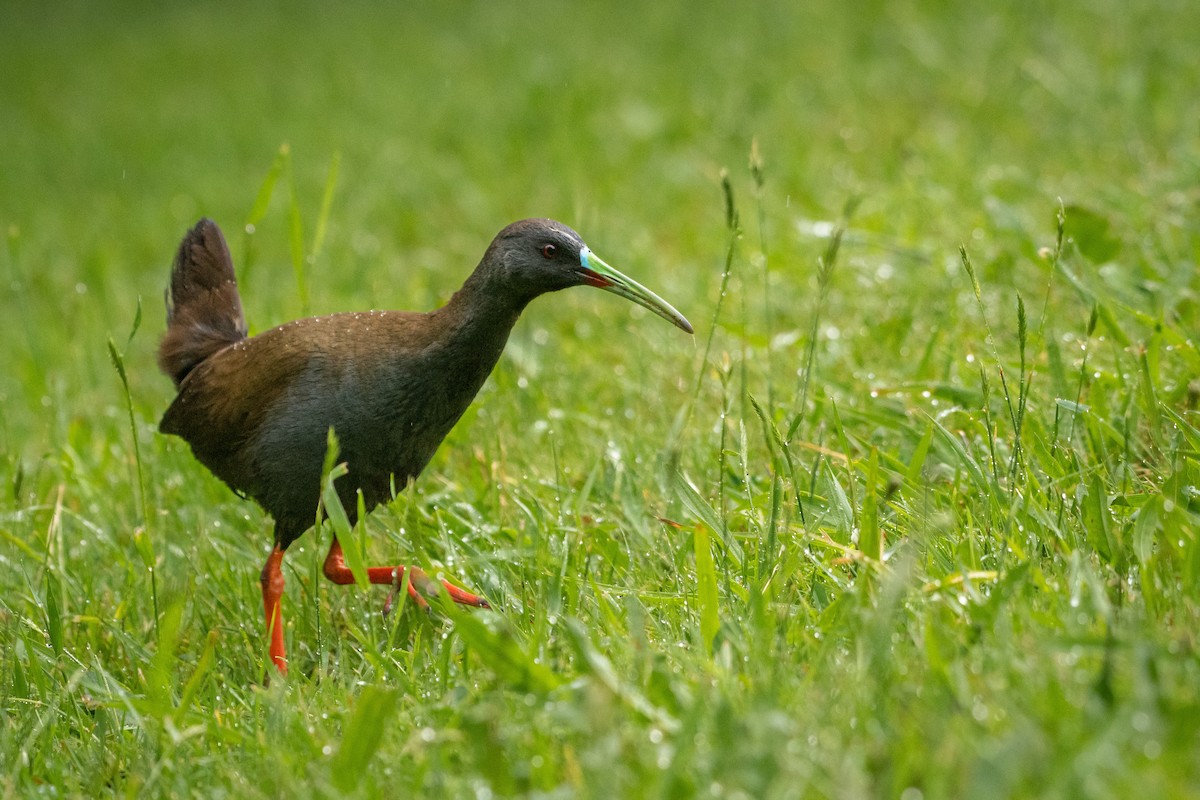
915	515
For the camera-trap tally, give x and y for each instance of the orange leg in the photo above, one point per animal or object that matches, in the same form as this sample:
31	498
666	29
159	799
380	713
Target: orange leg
337	571
272	590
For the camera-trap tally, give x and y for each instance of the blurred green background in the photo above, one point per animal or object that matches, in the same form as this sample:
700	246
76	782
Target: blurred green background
122	124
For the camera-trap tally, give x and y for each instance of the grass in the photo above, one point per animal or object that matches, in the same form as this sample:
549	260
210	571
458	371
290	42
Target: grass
914	516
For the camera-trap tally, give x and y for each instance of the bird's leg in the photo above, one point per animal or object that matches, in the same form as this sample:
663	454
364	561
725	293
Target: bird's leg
272	589
337	571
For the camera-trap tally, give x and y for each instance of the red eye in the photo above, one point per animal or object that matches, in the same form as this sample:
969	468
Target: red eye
549	250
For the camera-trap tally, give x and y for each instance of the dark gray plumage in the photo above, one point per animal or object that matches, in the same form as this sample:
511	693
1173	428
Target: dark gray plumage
256	411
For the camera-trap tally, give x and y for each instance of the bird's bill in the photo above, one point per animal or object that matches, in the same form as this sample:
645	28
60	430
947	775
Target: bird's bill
596	272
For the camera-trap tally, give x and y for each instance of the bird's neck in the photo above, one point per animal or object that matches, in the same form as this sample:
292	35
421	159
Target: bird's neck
476	323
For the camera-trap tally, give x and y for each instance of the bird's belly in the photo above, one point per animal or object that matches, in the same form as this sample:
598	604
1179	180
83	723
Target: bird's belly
384	446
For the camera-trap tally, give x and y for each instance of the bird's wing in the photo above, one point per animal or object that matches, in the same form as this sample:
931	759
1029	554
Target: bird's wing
224	401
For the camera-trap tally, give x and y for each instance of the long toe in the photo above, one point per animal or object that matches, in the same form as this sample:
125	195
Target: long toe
420	582
421	586
463	597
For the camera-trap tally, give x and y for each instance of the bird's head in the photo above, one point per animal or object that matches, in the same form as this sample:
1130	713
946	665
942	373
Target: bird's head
535	256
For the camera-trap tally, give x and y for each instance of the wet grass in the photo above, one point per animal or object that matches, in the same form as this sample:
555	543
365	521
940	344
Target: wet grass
914	515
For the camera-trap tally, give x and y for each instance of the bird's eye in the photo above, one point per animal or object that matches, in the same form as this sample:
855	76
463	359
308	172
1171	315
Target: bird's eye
549	250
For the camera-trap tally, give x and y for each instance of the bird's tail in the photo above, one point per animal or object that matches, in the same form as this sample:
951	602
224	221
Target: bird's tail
204	310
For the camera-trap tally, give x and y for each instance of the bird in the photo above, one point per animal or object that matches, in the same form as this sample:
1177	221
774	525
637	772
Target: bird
257	410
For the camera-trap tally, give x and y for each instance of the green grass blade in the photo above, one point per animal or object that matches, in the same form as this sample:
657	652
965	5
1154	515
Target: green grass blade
501	651
203	667
868	536
373	712
602	669
54	622
699	507
295	228
160	677
706	587
266	189
331	503
1097	523
916	462
258	210
978	478
326	206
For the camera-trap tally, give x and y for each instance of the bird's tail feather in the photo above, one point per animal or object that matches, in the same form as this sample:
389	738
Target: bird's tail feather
204	310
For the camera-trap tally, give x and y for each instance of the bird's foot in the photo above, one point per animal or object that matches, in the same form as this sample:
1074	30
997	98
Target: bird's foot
421	586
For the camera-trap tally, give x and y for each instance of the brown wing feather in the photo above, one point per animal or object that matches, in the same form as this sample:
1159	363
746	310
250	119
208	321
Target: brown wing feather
223	402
